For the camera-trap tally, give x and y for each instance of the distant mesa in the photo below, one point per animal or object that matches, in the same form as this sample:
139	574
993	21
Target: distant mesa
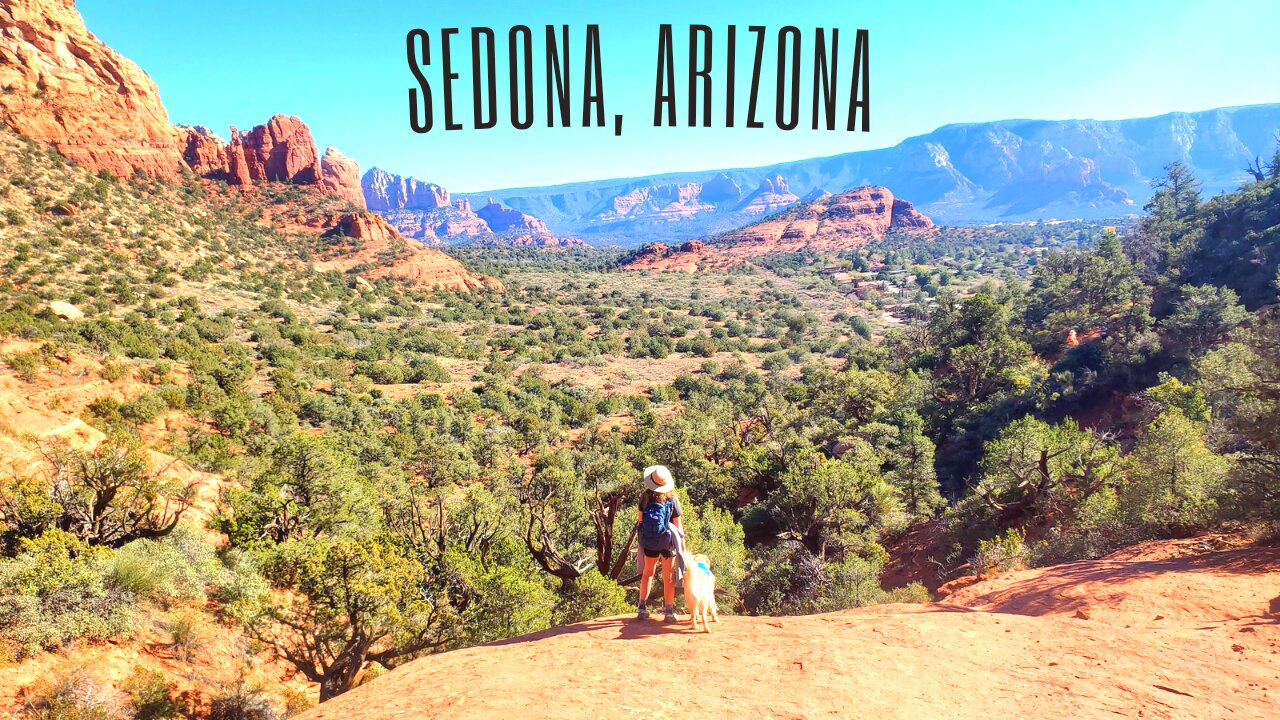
501	219
428	212
773	194
828	223
836	222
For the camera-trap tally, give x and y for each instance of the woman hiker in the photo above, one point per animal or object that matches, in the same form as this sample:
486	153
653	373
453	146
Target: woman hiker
659	510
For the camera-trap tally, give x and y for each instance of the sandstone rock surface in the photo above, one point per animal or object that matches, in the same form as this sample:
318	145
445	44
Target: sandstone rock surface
365	240
1167	636
61	86
340	174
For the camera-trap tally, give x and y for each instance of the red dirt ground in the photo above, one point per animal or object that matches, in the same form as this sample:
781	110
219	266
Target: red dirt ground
1159	631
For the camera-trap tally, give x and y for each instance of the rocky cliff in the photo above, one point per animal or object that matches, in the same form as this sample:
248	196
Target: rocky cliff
427	212
385	191
61	86
837	222
340	175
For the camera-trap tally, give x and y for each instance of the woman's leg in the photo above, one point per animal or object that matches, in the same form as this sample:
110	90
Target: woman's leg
646	577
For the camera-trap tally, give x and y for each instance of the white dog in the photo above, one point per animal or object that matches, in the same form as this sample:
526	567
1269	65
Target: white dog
699	589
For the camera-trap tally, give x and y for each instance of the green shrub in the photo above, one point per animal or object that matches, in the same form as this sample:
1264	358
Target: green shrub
75	696
176	567
242	702
590	596
1000	554
150	696
57	590
26	365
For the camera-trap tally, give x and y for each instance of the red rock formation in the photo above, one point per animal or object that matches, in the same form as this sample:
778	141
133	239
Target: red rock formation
205	153
366	240
830	223
280	151
340	174
61	86
837	222
905	216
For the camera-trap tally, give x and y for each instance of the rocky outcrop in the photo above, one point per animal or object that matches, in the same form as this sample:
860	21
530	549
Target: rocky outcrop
280	151
666	202
829	223
1158	630
501	219
385	191
427	212
61	86
773	194
907	217
837	222
340	175
365	241
203	151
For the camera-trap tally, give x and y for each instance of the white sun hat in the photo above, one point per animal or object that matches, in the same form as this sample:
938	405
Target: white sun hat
657	478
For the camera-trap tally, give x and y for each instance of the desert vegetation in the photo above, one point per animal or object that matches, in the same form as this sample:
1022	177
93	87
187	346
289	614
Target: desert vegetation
405	472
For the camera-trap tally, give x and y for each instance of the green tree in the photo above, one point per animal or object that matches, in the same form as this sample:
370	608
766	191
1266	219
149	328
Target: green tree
349	602
108	495
1202	315
1033	468
307	487
913	473
1172	480
833	506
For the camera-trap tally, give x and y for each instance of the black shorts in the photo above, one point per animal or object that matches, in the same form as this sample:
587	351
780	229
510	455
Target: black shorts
658	553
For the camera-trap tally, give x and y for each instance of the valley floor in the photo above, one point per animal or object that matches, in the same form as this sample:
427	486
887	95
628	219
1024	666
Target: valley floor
1163	630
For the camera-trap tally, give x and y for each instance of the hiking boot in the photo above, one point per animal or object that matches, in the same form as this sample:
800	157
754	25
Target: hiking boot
642	613
669	614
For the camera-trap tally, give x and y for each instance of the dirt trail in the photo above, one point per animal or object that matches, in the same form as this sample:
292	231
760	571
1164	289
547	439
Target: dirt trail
1154	632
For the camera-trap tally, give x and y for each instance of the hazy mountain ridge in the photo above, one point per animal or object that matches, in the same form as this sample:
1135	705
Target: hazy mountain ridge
960	173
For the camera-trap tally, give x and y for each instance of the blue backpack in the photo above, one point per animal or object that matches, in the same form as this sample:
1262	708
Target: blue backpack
654	521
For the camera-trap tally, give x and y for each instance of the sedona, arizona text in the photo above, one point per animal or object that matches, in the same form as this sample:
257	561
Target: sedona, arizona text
713	74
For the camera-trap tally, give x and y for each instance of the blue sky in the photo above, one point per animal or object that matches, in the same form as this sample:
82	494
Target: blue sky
341	67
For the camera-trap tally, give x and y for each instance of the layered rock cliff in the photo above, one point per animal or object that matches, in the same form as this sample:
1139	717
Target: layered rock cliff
426	211
340	175
61	86
385	191
837	222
